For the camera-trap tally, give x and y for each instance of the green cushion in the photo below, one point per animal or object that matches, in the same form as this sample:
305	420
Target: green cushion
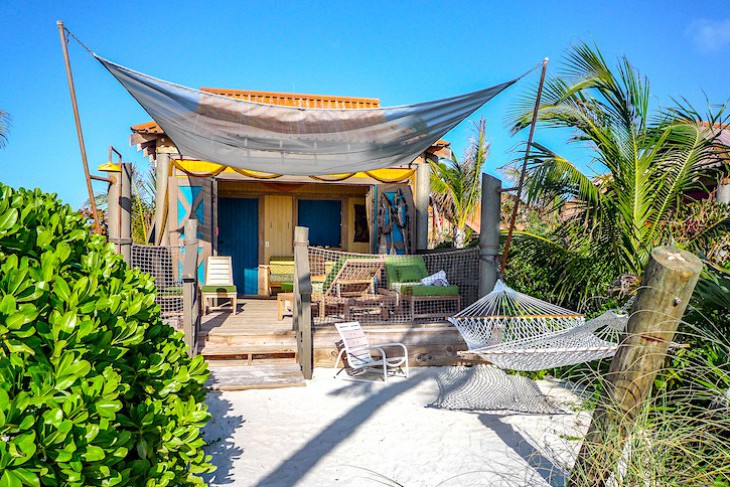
287	287
421	290
218	289
409	273
394	263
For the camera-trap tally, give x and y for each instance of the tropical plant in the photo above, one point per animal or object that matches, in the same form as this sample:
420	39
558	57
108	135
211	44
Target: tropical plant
4	127
653	158
94	389
456	185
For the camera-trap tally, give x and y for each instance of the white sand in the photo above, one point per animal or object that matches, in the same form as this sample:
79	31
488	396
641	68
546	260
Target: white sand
317	435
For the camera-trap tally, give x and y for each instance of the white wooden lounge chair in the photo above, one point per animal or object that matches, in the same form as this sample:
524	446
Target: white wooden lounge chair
359	354
219	281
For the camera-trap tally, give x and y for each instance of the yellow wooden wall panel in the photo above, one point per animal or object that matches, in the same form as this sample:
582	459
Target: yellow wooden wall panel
278	226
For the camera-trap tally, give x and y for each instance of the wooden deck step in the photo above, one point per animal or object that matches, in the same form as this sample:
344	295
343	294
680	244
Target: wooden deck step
239	378
249	351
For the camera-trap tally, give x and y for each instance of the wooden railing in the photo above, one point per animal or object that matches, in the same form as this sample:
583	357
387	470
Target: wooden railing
191	304
302	320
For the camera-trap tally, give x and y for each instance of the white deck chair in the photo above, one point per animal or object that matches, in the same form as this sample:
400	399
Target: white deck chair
358	351
219	281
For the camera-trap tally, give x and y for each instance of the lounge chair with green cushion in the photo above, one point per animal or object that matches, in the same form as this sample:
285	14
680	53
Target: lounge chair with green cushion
219	281
404	274
350	287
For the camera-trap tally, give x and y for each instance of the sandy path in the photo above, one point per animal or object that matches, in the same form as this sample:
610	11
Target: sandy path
317	435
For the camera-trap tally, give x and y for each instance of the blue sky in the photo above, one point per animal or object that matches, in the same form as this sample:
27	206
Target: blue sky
400	52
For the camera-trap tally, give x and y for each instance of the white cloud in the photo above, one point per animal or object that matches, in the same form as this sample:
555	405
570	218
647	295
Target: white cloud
710	35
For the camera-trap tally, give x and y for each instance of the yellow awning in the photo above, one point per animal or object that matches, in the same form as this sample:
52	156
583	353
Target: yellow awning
210	169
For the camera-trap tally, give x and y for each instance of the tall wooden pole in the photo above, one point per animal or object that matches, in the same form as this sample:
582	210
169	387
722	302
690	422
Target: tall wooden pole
77	119
668	283
489	233
423	193
125	213
530	138
162	170
191	308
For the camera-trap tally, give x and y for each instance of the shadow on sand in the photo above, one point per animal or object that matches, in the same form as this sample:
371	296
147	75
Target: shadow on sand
218	433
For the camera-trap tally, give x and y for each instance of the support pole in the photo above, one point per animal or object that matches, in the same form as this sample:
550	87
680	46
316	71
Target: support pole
77	119
668	283
489	233
113	209
191	307
530	138
423	192
302	322
162	170
125	211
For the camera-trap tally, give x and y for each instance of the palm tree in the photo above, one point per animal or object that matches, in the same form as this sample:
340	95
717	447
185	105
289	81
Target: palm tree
456	185
4	127
653	158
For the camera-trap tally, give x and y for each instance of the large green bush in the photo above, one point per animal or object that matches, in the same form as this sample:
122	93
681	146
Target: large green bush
94	389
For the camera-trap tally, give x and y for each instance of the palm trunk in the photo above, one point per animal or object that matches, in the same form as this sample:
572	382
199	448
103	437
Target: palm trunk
459	238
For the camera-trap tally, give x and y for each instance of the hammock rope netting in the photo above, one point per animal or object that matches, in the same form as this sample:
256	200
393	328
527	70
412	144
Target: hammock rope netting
515	331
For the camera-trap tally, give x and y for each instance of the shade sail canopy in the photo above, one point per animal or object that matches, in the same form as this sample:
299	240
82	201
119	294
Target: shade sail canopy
290	140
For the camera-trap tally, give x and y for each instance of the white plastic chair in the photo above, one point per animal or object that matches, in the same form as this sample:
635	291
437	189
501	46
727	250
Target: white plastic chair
359	354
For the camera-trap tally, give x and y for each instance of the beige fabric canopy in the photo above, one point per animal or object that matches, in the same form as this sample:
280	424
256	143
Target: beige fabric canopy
295	141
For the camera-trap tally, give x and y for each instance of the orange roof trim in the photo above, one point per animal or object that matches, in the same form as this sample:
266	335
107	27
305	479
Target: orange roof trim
278	98
298	99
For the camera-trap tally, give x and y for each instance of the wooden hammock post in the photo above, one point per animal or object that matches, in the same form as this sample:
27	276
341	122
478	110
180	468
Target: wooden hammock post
489	233
530	138
77	120
668	283
302	319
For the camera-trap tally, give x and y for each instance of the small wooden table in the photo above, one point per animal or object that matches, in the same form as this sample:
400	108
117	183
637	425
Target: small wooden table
281	300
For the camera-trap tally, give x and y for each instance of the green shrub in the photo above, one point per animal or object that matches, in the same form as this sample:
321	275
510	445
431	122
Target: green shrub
94	389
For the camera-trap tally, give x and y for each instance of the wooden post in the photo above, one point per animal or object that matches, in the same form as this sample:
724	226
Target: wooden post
423	192
125	210
77	121
489	233
668	283
191	307
302	321
112	198
162	170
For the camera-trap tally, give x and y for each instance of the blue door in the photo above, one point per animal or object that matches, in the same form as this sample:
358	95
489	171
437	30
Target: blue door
324	220
238	236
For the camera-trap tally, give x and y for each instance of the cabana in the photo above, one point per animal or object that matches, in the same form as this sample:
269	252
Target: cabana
239	170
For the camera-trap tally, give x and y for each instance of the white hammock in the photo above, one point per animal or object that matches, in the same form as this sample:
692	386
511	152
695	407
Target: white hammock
515	331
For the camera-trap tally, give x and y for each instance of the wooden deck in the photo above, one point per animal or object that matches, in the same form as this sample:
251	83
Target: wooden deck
255	336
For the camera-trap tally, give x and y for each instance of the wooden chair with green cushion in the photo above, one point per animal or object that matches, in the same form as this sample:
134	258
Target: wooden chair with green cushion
404	274
219	281
281	274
